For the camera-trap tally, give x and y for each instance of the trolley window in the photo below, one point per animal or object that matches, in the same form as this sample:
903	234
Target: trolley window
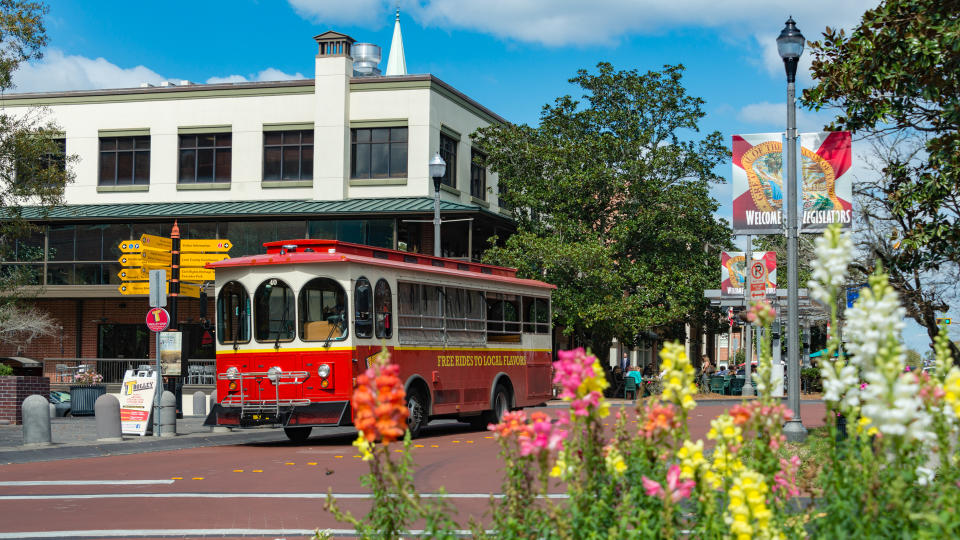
362	305
503	318
233	314
536	315
273	311
383	307
420	313
465	310
322	310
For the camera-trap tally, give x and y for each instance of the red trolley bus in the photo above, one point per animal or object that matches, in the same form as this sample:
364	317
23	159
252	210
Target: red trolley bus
297	325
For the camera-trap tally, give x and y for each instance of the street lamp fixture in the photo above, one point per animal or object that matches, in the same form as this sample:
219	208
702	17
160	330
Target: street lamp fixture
437	169
790	46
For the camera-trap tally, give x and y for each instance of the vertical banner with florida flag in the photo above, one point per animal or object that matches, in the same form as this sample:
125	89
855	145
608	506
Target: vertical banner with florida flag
758	183
827	191
734	269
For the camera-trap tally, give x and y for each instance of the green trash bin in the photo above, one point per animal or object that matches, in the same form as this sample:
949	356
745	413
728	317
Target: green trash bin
83	397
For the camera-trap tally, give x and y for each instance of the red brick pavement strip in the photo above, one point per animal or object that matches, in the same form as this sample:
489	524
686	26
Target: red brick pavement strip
446	458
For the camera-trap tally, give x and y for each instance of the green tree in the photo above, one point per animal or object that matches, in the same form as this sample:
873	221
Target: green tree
897	73
611	198
33	172
33	167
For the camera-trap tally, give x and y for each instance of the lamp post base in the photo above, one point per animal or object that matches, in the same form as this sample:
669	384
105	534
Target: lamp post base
794	431
748	389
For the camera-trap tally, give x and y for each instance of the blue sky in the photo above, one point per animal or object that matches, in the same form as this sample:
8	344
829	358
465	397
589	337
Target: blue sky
512	56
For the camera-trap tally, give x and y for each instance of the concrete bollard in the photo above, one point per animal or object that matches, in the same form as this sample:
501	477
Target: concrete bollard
168	414
36	420
107	412
199	403
213	402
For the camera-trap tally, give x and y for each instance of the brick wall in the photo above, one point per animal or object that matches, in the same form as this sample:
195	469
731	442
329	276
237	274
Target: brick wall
80	320
13	390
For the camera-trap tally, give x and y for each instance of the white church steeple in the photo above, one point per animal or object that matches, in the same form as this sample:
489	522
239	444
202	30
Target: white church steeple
396	62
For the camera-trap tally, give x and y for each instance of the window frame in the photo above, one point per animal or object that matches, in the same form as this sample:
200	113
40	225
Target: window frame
363	318
216	150
449	147
391	142
383	310
478	176
221	320
303	310
282	146
135	155
291	321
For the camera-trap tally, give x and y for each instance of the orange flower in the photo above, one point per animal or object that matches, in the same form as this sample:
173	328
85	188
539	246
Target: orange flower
659	419
741	415
378	400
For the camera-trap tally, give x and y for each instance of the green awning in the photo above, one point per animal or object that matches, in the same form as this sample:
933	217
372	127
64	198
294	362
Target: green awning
289	208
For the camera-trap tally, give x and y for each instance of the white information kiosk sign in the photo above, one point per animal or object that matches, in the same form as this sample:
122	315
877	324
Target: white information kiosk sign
136	400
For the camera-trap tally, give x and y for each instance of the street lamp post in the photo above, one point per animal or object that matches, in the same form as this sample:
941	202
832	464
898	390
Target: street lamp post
437	168
790	46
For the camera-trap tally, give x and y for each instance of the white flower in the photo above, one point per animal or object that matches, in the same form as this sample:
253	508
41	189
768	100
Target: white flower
896	409
876	315
834	251
841	387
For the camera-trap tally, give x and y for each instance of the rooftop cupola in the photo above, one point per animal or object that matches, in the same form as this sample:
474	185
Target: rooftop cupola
333	44
396	62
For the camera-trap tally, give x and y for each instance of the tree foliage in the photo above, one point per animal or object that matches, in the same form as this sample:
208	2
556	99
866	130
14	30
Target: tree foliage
611	198
33	168
897	72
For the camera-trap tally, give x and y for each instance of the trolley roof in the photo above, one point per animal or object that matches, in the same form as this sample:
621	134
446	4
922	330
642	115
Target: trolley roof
316	251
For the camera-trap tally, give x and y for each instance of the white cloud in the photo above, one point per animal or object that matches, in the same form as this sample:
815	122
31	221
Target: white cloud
565	23
269	74
57	71
773	116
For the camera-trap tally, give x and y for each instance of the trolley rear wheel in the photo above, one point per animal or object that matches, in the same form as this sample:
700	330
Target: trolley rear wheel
297	434
501	405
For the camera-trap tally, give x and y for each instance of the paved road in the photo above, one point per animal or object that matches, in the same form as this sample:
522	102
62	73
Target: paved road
264	488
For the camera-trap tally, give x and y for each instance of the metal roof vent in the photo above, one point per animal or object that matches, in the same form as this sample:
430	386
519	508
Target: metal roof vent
366	57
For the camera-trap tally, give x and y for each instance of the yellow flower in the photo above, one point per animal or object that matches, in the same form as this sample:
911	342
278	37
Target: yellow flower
614	461
364	446
678	376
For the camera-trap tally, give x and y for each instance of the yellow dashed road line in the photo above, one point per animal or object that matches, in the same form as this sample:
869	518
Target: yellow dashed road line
257	470
312	463
177	478
418	446
198	478
455	442
289	463
338	457
238	470
434	446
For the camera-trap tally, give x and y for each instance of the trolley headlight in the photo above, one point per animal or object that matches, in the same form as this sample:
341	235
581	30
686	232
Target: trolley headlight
233	373
323	371
274	374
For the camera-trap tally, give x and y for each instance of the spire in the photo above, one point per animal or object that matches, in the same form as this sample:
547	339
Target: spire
396	62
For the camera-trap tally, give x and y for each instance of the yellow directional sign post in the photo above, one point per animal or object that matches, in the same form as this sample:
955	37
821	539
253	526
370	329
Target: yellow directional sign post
156	242
131	246
133	274
191	290
132	259
136	287
200	259
196	274
205	246
154	257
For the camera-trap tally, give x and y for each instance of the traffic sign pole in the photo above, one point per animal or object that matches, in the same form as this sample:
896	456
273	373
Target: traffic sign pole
157	321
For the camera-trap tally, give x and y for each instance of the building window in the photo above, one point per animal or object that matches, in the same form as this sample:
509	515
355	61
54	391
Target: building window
288	155
478	176
205	158
56	160
448	151
378	152
124	161
123	341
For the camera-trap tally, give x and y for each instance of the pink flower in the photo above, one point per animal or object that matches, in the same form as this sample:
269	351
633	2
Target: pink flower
676	489
785	480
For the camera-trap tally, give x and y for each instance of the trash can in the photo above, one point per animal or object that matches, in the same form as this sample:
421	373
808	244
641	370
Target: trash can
83	398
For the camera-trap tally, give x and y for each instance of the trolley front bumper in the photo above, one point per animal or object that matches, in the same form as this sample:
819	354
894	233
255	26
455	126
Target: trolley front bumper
327	413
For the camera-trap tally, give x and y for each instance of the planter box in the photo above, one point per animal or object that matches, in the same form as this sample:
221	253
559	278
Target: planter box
83	397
